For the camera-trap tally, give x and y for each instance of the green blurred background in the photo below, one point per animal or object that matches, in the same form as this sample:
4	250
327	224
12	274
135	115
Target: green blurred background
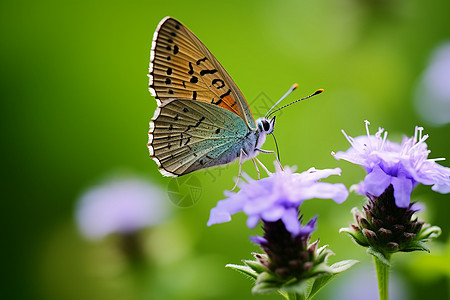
75	108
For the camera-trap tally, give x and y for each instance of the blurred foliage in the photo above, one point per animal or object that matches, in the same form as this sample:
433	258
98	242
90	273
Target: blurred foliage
75	106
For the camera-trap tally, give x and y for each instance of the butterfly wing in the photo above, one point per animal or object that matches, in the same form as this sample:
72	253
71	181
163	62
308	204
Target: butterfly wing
181	67
187	135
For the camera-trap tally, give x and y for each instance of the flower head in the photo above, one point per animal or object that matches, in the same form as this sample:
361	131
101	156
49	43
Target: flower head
401	165
290	263
278	197
120	205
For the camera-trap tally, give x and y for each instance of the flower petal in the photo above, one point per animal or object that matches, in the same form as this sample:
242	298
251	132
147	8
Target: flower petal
359	188
376	182
417	206
324	190
274	214
315	174
291	222
402	191
252	221
441	188
258	239
218	216
224	209
309	227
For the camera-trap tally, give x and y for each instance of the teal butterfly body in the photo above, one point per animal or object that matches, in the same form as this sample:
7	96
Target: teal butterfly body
202	119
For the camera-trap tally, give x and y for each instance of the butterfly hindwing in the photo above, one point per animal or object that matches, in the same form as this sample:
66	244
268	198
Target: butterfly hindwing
187	135
181	67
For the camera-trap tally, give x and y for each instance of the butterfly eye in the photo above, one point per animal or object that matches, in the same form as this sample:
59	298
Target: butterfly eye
265	125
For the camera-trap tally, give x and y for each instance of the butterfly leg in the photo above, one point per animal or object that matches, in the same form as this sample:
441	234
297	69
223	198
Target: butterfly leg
263	166
256	167
241	158
274	153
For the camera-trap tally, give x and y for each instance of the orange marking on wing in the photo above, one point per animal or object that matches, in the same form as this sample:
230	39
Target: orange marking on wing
230	104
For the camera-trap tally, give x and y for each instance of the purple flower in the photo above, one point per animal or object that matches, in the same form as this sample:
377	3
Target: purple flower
401	165
432	97
122	206
278	197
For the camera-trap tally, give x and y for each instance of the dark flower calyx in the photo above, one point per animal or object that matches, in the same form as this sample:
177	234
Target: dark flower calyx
384	226
288	256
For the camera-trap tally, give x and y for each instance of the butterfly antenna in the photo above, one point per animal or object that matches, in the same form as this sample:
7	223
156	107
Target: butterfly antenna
315	93
293	87
276	145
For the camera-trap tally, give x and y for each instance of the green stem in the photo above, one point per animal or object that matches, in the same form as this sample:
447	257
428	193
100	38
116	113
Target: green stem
383	277
292	296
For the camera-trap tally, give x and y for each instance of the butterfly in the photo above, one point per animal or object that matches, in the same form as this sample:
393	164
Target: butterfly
202	119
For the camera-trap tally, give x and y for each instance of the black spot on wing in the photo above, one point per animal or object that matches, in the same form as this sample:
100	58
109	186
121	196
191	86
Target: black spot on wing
191	69
199	121
201	60
204	72
218	83
175	49
216	103
194	79
196	124
168	81
225	94
169	71
194	95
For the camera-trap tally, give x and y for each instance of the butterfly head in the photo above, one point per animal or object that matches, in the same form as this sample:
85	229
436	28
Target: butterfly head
266	125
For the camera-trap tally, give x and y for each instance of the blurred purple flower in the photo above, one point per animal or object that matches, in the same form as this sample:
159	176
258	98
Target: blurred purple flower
278	197
120	205
432	98
401	165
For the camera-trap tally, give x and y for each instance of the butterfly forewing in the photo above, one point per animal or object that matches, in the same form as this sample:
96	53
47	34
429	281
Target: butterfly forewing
181	67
